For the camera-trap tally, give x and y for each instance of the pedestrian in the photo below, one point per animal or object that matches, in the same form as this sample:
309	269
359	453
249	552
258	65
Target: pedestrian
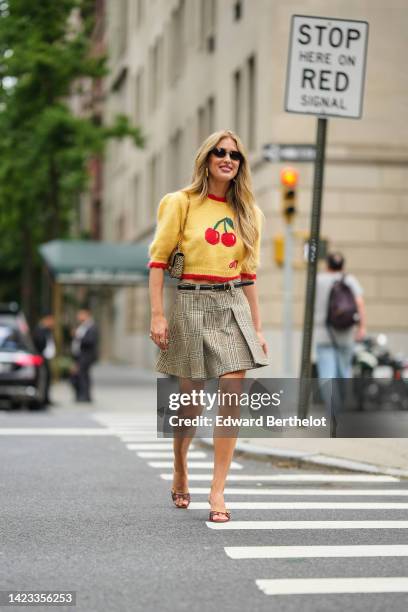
44	343
337	295
214	330
84	350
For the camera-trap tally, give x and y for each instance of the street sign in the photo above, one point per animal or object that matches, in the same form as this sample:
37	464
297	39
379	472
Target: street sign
289	152
326	66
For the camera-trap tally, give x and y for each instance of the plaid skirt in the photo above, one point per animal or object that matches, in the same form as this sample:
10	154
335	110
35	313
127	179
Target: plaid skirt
210	333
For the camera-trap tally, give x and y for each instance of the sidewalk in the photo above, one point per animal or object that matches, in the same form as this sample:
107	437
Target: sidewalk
126	389
376	455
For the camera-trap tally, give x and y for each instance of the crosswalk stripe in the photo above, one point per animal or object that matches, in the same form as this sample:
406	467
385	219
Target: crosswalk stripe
278	525
147	445
131	423
315	586
158	441
301	552
136	431
167	455
55	431
238	505
312	492
293	477
193	464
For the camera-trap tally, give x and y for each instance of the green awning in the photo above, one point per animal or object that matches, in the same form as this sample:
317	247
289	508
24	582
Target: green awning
86	262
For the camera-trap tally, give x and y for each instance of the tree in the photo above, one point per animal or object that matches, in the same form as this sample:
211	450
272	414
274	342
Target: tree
44	147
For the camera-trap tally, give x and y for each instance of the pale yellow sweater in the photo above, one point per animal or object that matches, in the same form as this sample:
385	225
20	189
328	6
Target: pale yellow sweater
211	247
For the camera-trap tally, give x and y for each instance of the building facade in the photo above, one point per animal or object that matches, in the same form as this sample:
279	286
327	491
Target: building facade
184	68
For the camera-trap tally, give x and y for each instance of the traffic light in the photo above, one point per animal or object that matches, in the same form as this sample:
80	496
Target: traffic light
289	179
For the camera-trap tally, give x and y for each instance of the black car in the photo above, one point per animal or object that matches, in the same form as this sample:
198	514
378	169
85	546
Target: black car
22	371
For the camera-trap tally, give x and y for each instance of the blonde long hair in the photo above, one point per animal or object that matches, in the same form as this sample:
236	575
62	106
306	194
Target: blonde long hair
239	195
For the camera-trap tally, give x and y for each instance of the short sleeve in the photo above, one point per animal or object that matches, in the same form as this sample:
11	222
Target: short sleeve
354	285
245	271
169	218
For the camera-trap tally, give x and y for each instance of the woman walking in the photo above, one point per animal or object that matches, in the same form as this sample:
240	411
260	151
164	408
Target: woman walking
214	330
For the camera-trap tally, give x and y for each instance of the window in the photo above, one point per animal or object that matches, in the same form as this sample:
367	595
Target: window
205	119
211	114
237	10
245	101
177	42
139	98
122	26
120	227
140	11
137	207
237	101
155	73
118	18
175	160
252	97
207	21
154	175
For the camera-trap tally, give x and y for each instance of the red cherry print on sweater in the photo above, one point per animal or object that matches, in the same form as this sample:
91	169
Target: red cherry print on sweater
228	239
212	236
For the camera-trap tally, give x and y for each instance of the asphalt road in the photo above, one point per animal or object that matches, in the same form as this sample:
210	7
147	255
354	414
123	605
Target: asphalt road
82	511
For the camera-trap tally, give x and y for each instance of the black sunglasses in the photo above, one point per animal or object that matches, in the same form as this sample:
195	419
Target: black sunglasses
221	152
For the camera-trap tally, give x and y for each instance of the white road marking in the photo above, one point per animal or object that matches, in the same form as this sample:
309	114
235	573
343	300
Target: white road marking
168	455
137	431
237	505
309	525
329	492
302	552
193	464
159	442
314	586
54	431
148	446
295	477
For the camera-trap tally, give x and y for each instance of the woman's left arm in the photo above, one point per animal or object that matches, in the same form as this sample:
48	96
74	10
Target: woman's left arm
251	294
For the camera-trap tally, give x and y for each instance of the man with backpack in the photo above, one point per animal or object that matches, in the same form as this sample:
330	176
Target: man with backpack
338	322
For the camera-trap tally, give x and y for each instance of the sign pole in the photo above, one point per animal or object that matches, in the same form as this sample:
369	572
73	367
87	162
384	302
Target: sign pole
305	370
288	302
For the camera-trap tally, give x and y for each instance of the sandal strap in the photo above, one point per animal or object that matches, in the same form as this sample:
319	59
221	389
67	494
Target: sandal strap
176	495
213	512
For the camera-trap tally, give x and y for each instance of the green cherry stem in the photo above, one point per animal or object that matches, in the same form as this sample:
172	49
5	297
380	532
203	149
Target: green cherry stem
218	222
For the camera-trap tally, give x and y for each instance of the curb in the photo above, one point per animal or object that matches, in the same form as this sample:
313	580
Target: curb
314	458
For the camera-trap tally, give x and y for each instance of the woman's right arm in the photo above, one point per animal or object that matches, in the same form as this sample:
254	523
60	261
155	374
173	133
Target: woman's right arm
169	217
158	325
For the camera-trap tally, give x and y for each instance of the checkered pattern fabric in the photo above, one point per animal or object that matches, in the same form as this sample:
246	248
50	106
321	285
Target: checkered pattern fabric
210	333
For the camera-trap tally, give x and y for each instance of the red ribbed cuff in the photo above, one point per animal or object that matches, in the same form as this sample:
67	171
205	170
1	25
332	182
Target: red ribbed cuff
157	264
248	276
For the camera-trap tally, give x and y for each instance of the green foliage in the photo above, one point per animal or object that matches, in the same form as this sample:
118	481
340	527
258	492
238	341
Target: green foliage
44	147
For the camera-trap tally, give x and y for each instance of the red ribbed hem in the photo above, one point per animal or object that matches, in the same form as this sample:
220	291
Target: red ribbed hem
157	264
221	279
248	276
214	197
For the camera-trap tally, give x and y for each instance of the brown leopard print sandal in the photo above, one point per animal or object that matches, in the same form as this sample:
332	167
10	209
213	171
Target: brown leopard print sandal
184	496
227	515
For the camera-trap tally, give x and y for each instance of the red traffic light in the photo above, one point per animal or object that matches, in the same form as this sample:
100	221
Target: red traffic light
289	177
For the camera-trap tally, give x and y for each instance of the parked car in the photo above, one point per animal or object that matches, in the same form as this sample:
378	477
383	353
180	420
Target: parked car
22	371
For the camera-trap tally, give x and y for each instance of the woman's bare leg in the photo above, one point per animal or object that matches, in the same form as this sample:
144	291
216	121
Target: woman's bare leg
182	441
224	447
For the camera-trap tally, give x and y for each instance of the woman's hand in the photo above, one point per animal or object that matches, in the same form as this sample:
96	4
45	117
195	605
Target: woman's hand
262	342
159	332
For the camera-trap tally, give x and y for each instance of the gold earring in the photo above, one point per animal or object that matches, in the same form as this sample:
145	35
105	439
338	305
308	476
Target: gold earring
206	171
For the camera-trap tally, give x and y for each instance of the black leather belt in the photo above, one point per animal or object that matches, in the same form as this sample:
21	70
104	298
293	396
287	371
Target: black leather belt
217	287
